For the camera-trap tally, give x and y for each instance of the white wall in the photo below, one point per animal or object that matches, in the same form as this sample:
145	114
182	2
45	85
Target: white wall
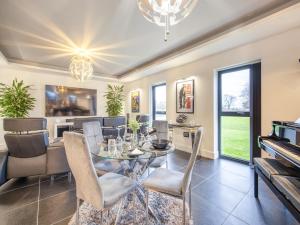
38	80
279	56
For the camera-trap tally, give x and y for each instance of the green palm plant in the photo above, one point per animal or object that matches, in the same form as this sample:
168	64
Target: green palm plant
114	99
15	100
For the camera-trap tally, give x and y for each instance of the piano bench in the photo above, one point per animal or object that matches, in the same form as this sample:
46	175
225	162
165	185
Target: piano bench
290	187
271	167
283	180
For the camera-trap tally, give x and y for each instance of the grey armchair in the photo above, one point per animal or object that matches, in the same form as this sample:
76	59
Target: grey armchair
173	182
101	192
93	133
29	152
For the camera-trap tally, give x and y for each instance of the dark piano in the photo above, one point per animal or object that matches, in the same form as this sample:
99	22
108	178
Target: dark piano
284	142
281	172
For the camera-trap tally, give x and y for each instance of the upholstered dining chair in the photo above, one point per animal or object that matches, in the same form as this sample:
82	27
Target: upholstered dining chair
93	133
101	192
174	183
162	132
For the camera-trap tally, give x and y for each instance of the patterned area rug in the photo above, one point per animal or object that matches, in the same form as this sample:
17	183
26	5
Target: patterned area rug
168	211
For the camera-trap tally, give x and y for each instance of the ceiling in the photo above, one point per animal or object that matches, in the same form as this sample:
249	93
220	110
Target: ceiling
46	34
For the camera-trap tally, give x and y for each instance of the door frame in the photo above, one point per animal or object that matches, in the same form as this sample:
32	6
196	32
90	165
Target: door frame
254	114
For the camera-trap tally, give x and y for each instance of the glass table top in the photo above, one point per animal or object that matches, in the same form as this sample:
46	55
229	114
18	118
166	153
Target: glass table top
146	151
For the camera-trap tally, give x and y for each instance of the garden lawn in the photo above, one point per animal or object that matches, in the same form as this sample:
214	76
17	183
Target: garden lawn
235	137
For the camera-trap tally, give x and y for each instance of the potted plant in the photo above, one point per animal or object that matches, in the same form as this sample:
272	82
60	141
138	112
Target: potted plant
15	100
114	99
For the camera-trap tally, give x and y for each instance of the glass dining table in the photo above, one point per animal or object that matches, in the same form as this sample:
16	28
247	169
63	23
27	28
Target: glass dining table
138	161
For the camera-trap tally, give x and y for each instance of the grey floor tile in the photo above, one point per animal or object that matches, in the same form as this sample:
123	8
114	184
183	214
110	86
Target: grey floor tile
49	188
18	197
63	221
16	183
57	207
205	213
26	215
258	212
205	168
220	195
234	181
231	220
236	168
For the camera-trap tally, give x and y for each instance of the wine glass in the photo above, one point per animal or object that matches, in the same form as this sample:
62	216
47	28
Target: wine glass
119	141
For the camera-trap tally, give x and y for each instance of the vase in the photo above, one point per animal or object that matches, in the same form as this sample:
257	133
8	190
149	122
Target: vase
134	140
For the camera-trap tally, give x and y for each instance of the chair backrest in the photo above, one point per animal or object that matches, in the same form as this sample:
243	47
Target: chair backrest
27	136
189	170
80	162
143	118
114	121
93	133
26	145
161	127
78	122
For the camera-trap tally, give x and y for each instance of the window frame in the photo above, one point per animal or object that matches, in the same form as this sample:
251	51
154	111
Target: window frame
154	112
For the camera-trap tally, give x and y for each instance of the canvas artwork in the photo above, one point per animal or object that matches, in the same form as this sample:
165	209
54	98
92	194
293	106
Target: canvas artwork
135	101
185	96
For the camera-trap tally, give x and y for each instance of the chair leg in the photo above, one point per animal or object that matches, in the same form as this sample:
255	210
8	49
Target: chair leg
190	201
52	179
255	184
147	206
69	177
77	211
148	171
119	211
183	214
167	161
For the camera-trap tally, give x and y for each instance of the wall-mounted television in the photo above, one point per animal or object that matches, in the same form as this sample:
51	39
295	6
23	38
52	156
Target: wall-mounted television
70	101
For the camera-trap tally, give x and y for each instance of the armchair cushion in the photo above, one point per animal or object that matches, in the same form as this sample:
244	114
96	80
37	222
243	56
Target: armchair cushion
24	167
3	164
165	181
57	159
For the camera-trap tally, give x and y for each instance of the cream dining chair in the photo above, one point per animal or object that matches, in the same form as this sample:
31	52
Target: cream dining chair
101	192
174	183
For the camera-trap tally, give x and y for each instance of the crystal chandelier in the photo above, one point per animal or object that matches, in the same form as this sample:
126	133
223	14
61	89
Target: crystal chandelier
81	67
166	13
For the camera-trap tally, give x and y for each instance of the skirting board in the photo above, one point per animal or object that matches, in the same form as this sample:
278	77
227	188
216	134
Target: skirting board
203	152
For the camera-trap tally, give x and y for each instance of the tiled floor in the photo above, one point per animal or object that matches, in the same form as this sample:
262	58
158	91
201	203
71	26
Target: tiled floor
221	190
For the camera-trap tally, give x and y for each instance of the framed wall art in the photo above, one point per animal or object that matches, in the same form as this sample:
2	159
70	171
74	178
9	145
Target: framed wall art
135	101
185	96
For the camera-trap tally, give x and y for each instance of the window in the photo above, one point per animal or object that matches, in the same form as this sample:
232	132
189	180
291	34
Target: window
159	102
239	101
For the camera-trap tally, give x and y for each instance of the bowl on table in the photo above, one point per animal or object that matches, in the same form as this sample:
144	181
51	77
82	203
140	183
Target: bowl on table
160	143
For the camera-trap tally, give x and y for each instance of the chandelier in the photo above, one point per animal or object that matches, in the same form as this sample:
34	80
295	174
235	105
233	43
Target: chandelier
81	67
166	13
